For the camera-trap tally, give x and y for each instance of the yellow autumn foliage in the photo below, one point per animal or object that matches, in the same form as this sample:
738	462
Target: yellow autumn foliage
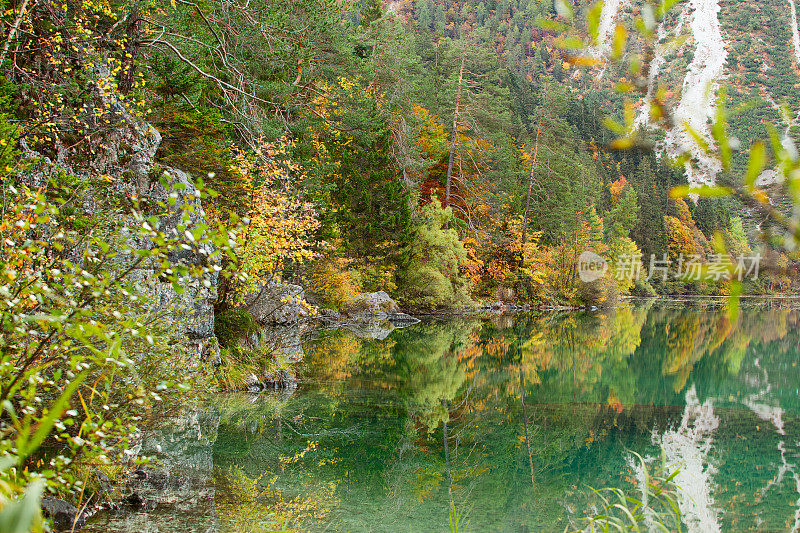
279	223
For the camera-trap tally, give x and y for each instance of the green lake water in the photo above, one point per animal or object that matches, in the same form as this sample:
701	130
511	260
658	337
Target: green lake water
508	420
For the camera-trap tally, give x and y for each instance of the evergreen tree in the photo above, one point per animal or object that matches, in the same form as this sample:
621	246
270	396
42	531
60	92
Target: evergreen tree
649	232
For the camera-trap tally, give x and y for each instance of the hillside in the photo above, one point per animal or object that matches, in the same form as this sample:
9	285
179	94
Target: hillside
754	50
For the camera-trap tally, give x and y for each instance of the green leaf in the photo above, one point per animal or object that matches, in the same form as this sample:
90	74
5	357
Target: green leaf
675	43
552	25
665	7
53	414
570	43
758	160
593	21
24	514
777	147
614	126
708	191
701	142
648	17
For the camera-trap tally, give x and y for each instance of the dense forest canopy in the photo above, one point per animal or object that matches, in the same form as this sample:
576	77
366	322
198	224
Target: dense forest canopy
368	111
170	159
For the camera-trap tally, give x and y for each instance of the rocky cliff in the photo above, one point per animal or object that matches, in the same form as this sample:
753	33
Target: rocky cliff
125	155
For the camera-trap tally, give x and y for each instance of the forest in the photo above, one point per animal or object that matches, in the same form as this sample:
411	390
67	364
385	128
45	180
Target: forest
443	153
454	154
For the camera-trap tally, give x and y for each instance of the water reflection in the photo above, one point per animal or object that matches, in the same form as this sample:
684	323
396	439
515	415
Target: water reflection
502	424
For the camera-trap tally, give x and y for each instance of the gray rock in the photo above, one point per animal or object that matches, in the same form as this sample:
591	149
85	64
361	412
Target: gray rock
276	303
370	305
178	482
370	329
63	514
252	383
283	341
329	314
127	153
402	320
282	379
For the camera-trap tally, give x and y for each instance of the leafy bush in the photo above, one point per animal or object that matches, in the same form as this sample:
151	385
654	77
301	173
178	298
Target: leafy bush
603	292
330	281
433	278
279	224
83	352
231	325
643	288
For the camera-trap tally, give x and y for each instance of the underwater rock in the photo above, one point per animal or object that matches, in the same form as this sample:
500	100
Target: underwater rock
282	379
370	329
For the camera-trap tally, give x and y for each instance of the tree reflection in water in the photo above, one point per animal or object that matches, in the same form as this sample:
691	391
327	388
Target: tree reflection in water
507	421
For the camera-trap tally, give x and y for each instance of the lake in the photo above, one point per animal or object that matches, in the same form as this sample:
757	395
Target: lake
499	424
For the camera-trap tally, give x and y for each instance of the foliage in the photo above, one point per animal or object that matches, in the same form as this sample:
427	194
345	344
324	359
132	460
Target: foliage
232	324
715	146
680	239
656	506
79	337
433	277
279	224
331	283
262	504
368	211
74	66
240	361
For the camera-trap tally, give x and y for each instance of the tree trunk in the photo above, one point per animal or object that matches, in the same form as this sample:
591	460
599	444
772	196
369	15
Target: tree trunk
530	184
15	26
453	135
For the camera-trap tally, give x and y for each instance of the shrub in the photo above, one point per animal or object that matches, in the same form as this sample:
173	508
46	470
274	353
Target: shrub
83	353
603	292
330	281
433	278
231	325
642	288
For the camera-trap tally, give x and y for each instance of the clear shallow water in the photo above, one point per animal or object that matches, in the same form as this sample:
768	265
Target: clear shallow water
508	420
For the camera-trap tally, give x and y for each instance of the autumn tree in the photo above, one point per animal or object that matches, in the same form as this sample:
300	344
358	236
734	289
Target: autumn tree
279	224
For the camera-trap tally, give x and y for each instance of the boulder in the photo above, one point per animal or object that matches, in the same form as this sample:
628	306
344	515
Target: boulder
126	152
63	514
329	314
276	303
370	305
181	445
282	379
370	329
283	341
402	320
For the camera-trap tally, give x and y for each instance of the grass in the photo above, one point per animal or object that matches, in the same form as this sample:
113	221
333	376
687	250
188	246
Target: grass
232	325
654	508
239	363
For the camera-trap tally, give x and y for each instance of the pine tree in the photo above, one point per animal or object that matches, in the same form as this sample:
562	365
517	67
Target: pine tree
371	11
